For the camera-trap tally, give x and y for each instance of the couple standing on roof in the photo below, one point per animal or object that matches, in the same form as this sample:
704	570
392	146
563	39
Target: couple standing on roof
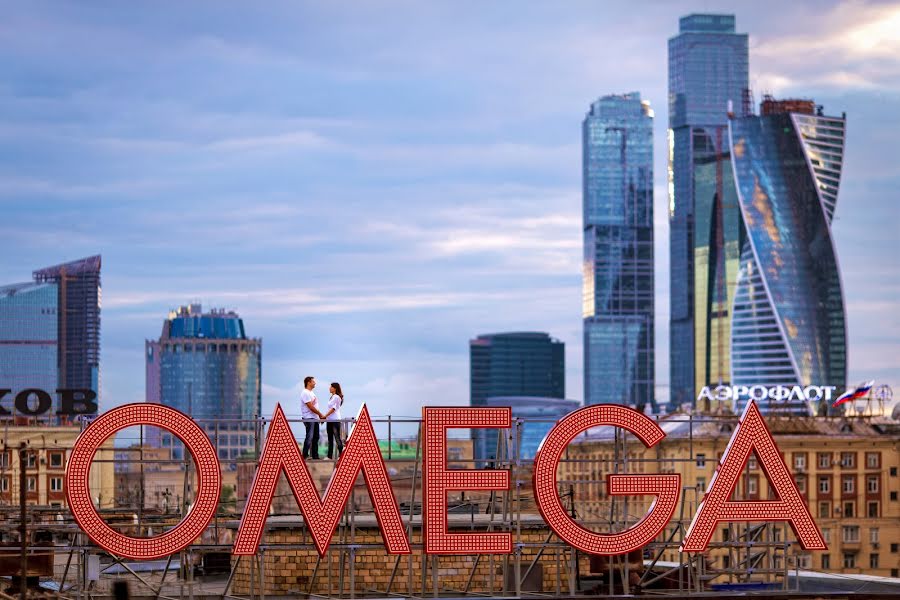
312	416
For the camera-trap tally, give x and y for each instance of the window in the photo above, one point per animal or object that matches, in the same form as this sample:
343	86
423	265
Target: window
895	572
848	460
799	461
726	534
56	460
4	459
31	484
801	484
826	535
873	460
850	534
872	484
824	510
872	510
895	547
873	561
4	485
56	484
803	561
824	485
850	509
893	496
701	461
753	486
847	484
824	460
873	535
849	560
751	463
893	471
31	461
701	483
826	562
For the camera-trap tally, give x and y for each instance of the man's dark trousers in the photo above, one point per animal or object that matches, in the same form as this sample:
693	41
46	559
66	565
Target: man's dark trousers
311	439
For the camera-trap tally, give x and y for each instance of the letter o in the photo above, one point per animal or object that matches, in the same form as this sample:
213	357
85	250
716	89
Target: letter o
208	486
44	402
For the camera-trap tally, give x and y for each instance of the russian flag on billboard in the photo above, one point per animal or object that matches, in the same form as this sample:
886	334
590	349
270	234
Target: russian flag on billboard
854	394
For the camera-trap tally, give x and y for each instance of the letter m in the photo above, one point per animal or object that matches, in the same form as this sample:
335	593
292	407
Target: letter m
281	453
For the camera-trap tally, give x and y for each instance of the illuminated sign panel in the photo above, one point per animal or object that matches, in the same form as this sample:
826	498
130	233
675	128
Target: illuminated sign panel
362	455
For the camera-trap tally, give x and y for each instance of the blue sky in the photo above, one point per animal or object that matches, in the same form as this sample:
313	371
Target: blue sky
371	184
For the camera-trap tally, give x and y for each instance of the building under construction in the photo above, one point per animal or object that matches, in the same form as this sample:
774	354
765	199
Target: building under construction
846	468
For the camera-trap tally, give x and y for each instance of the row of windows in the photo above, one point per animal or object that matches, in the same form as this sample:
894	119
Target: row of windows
31	485
55	459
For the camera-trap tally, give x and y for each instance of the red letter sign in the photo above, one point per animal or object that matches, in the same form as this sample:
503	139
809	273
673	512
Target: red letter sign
208	474
665	487
321	515
752	434
437	480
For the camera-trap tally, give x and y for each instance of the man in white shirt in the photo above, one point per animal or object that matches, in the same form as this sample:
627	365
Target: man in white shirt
309	410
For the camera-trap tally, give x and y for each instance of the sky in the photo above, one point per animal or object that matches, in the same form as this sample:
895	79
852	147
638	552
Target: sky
372	184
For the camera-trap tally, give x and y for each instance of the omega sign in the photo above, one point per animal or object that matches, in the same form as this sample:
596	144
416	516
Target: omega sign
322	512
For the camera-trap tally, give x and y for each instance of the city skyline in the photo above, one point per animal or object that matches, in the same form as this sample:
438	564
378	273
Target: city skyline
367	241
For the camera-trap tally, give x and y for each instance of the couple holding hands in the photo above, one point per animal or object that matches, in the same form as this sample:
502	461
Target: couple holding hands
312	416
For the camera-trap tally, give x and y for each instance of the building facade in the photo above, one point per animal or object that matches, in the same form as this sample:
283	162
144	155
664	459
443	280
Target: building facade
789	324
846	470
47	454
513	364
204	365
50	333
708	68
618	306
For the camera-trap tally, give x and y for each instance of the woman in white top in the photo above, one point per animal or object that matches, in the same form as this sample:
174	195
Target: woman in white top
333	419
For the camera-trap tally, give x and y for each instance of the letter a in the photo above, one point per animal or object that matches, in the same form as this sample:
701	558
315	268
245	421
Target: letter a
281	453
752	434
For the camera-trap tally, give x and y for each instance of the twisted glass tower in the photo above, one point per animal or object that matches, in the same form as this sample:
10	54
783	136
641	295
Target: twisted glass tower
708	68
789	324
618	251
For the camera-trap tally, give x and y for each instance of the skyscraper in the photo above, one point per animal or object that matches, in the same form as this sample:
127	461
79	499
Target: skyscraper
789	325
533	418
708	68
513	364
50	332
205	366
617	145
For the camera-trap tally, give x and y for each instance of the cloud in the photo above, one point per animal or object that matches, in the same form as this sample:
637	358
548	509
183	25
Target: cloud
851	46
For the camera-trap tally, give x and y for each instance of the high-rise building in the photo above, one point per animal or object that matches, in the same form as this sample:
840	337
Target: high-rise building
789	324
708	68
513	364
205	366
617	143
50	332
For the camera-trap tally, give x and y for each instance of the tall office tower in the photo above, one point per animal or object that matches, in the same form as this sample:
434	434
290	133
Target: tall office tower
617	145
205	366
513	364
789	325
708	68
50	332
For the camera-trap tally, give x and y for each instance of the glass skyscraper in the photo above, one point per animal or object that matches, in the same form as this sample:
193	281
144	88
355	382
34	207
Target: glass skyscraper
50	332
205	366
708	68
513	364
789	325
617	145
